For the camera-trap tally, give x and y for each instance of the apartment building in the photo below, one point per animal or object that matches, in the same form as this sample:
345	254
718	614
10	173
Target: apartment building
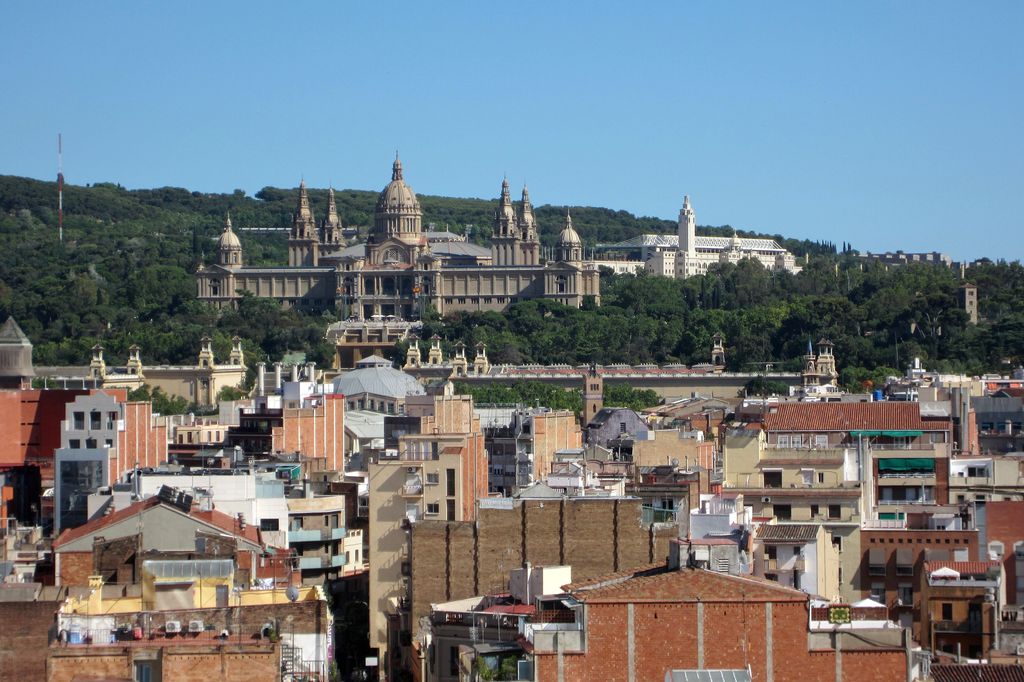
434	466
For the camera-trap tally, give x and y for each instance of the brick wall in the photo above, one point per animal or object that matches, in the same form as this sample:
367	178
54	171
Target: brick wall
74	568
736	635
24	637
1004	522
456	560
227	662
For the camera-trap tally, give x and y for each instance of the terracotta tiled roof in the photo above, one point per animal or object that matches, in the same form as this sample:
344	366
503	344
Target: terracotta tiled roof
963	567
977	673
788	532
884	415
214	518
683	585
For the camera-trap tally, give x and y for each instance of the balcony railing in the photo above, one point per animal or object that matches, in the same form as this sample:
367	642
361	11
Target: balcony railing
315	535
968	626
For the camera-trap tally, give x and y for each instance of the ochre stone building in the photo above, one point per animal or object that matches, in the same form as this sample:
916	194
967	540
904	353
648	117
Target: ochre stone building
401	269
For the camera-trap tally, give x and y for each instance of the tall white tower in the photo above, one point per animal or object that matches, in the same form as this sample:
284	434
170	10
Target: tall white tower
686	258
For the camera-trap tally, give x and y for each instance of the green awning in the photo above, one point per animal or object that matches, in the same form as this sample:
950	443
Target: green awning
891	434
906	464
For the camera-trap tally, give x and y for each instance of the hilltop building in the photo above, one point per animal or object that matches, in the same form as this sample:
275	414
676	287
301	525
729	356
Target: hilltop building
401	269
686	254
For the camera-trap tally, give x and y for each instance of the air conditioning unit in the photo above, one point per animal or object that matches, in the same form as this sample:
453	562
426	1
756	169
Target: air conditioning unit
411	470
766	500
195	626
172	626
1020	649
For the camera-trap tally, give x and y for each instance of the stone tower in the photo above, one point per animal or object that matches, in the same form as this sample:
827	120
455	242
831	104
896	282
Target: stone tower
968	294
134	364
827	363
229	249
330	228
718	352
530	245
237	356
97	365
686	255
570	246
593	394
303	242
505	241
206	359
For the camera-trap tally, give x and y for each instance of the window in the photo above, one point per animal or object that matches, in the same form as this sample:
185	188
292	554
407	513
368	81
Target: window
783	512
835	511
783	441
94	420
876	562
821	477
433	478
90	443
772	479
433	508
837	542
79	419
74	443
814	510
269	524
905	593
878	592
622	427
821	441
995	550
449	475
947	611
451	510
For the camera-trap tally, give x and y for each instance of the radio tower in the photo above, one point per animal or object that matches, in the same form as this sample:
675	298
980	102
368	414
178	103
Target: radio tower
60	190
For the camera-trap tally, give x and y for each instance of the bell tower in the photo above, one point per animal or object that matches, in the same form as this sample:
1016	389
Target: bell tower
303	244
593	394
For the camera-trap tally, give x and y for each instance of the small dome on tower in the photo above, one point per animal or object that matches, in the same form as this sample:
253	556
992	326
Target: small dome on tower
228	239
568	236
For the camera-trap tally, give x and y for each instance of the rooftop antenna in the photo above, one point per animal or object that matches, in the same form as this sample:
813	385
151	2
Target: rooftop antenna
60	189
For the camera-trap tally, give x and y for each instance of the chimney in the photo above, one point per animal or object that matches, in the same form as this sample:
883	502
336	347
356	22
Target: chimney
277	377
310	371
241	522
295	372
261	378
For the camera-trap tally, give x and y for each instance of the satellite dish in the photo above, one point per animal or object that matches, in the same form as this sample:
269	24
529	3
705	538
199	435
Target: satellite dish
675	462
292	593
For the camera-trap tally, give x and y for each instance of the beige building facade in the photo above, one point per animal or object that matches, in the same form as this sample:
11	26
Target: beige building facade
401	269
434	467
199	383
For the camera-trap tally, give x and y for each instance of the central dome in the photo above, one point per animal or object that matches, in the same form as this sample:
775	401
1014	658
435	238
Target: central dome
397	197
398	211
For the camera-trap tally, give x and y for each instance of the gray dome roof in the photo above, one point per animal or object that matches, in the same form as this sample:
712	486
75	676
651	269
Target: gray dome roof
376	375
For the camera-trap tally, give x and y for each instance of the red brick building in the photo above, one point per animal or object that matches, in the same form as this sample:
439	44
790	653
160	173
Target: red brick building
1004	535
640	624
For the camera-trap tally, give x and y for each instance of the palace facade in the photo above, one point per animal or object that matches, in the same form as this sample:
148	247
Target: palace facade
401	270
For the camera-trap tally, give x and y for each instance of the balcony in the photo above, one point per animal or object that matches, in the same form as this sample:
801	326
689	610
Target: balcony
318	563
413	487
791	564
315	535
963	626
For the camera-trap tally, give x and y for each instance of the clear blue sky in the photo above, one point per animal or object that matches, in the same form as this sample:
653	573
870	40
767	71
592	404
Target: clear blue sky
889	124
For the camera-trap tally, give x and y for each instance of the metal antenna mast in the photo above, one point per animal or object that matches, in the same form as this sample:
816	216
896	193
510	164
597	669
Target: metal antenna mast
60	189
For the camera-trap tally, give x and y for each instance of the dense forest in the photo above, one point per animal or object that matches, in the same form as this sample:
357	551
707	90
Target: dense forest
123	275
